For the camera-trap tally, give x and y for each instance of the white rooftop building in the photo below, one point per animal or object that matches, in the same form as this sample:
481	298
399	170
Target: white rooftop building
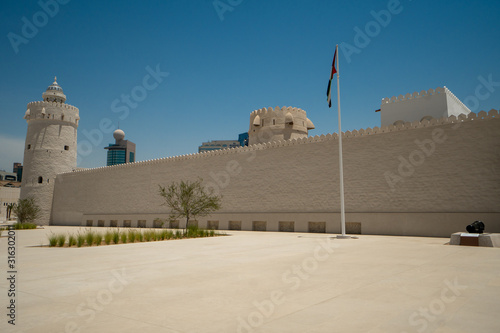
426	105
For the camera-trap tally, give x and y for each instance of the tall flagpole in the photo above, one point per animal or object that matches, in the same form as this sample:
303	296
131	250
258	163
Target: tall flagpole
341	164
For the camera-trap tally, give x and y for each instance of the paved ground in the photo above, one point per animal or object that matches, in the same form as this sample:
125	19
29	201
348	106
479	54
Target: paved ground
253	282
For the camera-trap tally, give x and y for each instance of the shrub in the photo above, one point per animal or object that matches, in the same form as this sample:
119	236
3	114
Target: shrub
26	210
71	240
178	234
124	237
61	239
212	233
89	237
108	236
169	234
139	236
52	240
97	238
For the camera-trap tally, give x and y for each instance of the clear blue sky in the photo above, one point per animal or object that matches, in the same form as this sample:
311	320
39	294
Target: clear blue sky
262	53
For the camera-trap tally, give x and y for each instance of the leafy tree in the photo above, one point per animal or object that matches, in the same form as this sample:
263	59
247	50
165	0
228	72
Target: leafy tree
26	210
189	200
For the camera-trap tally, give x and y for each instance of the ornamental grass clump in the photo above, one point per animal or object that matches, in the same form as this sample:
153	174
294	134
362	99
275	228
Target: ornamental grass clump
131	236
116	236
25	225
140	236
80	240
71	240
61	240
89	237
108	236
97	238
149	235
162	235
52	240
178	234
123	237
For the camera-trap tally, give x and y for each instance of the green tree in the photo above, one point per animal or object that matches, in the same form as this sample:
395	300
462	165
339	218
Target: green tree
189	200
26	210
10	207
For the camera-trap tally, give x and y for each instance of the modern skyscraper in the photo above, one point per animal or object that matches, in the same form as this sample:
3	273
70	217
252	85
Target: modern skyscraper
122	151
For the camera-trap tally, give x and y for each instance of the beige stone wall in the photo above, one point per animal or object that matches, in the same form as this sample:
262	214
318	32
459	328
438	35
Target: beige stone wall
417	179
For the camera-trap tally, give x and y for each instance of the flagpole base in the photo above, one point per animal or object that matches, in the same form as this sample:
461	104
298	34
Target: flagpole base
343	237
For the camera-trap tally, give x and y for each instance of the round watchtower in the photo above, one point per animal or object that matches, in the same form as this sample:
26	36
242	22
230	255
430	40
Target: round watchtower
268	124
50	147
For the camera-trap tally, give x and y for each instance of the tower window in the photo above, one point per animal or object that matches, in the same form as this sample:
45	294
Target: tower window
274	121
29	147
66	147
262	124
40	180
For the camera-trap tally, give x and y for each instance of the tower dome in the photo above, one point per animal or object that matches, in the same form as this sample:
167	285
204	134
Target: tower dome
54	93
119	135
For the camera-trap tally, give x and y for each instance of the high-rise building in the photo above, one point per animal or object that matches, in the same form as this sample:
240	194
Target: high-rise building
243	139
18	170
120	152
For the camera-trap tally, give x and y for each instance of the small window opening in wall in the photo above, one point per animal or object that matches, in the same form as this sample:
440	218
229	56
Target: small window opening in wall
66	147
274	121
40	180
262	122
29	146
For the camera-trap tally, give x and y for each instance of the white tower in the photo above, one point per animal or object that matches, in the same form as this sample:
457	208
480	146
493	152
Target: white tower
268	124
50	147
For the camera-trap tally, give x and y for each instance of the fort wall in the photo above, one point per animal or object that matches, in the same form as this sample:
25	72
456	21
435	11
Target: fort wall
428	178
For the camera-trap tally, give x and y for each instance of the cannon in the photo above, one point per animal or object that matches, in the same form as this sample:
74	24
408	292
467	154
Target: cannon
477	227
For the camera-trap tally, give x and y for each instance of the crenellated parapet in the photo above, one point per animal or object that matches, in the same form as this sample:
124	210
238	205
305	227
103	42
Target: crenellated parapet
416	94
53	104
427	104
483	115
53	111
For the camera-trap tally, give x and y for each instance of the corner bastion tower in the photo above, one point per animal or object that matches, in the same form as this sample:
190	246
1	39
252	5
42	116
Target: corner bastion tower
268	124
50	147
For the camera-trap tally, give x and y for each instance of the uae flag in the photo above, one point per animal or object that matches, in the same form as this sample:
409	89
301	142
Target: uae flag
329	90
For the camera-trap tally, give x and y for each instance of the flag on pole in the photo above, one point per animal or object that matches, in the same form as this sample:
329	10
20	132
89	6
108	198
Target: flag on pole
329	90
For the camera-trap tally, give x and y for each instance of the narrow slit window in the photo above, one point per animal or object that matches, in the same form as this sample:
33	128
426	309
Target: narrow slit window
40	180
